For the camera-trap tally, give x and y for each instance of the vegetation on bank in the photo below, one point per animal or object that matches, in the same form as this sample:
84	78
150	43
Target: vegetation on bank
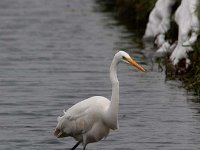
198	10
134	14
134	11
192	79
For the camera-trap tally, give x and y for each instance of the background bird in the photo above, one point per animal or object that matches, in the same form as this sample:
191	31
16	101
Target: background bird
91	120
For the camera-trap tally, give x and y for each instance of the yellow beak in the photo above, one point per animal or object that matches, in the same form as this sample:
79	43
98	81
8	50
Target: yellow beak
135	64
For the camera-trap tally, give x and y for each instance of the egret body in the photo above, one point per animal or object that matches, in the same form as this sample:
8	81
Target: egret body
91	120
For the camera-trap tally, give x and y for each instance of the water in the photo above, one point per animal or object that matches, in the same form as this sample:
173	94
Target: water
54	54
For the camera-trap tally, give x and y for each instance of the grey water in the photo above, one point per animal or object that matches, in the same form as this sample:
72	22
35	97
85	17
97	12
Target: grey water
54	54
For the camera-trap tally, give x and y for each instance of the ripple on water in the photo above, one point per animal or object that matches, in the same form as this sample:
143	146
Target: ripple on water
57	53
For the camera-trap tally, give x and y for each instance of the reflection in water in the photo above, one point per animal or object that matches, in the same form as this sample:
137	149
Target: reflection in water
55	53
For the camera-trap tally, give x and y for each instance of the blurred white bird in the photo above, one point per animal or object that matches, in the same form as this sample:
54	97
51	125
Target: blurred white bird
91	120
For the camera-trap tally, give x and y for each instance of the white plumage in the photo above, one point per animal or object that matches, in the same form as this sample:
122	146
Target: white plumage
91	120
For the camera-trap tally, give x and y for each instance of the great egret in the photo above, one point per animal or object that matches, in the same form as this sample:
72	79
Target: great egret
91	120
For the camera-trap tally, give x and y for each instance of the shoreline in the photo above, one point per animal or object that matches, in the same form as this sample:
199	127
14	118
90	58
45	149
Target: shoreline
134	14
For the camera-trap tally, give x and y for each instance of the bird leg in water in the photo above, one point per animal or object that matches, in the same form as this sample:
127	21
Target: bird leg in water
84	147
76	145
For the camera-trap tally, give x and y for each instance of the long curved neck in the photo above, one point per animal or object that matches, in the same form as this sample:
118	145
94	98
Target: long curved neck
114	104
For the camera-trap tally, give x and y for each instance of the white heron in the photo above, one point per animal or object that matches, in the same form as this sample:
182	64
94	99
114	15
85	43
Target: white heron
91	120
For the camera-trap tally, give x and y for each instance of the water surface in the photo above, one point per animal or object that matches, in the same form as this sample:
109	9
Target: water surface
54	54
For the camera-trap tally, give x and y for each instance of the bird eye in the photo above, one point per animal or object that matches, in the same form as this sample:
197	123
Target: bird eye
124	58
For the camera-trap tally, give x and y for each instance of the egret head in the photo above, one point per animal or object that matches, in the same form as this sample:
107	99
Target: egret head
125	57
